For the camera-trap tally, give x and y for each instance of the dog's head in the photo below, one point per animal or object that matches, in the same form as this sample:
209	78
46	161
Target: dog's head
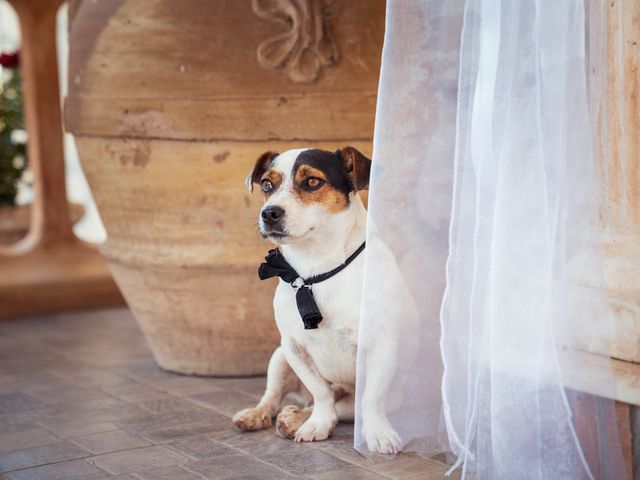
307	190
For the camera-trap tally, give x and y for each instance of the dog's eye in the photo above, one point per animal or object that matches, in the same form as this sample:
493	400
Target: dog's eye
266	186
313	183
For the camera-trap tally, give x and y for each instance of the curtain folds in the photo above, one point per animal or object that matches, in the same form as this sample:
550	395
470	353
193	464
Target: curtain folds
483	243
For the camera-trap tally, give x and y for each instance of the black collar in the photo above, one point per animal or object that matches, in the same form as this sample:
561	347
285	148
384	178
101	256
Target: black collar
276	265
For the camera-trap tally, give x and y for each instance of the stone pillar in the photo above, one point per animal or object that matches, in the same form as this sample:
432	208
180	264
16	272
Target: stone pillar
50	269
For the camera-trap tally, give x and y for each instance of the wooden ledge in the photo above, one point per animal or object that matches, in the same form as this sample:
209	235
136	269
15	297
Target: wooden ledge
604	377
56	278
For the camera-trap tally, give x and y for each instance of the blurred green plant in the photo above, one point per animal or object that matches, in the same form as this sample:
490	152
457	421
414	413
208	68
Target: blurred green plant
13	155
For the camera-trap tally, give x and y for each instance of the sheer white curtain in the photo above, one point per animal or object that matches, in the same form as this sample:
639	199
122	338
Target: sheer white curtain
483	236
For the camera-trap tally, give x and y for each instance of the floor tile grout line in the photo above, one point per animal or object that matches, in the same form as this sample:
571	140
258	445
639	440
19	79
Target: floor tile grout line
236	451
310	444
97	466
129	450
86	457
93	454
37	425
213	408
177	396
189	397
64	439
196	377
138	477
369	468
315	446
22	447
205	406
101	389
97	388
195	473
172	448
45	464
243	454
69	439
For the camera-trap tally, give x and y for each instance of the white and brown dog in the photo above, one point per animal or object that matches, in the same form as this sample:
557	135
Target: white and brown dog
313	213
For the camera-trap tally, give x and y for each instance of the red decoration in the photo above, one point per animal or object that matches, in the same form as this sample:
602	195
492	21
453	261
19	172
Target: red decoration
9	60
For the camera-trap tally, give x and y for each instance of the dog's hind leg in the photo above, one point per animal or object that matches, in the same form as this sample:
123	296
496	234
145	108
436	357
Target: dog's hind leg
345	408
280	380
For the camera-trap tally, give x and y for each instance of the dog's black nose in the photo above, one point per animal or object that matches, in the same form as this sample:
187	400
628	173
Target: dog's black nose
272	215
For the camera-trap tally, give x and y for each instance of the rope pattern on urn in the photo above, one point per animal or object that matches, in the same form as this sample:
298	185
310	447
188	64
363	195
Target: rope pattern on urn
306	47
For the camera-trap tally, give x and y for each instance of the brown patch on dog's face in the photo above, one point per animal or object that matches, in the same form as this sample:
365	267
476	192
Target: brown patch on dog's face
270	182
312	186
341	173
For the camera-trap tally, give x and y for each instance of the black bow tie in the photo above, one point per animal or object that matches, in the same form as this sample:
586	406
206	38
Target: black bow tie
276	265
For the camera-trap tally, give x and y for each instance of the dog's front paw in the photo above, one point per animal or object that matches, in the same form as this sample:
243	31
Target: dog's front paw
314	430
381	437
251	419
290	419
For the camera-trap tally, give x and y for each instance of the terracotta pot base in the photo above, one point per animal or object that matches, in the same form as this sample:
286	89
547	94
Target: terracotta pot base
190	330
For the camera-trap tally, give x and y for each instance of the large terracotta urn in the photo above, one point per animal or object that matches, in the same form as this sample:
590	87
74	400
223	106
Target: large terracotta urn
170	104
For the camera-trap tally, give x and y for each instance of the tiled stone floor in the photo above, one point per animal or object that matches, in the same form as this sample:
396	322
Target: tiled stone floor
81	399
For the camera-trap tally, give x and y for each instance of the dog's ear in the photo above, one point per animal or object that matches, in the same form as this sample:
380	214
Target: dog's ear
358	167
262	163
